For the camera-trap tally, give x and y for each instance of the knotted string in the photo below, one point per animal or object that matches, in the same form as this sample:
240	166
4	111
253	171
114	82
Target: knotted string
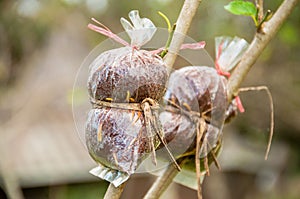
150	109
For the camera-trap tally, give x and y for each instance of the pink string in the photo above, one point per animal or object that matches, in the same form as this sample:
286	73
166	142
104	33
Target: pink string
192	46
218	68
157	50
220	71
239	104
108	33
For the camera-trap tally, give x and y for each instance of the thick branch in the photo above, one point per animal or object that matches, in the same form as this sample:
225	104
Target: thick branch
113	192
260	41
183	23
162	183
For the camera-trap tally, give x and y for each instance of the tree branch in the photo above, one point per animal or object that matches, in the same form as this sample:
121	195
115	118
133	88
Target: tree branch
183	23
260	41
162	183
113	192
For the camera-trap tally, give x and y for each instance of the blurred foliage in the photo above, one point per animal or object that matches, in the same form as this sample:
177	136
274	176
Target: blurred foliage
69	191
24	29
20	36
289	34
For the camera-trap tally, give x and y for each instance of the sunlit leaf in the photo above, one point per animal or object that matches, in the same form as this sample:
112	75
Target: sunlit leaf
241	8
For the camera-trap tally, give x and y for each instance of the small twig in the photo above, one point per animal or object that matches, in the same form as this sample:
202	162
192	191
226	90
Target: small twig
260	6
200	132
160	134
113	192
258	44
163	181
183	23
264	88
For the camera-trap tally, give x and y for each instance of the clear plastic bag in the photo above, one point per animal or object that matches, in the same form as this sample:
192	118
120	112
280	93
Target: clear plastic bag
123	73
117	138
229	51
201	91
141	31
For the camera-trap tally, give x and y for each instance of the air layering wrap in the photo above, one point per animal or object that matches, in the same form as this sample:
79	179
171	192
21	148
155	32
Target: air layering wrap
200	94
124	85
125	74
198	102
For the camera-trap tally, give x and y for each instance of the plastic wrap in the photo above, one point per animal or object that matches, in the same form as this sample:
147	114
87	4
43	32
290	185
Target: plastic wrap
179	133
201	89
187	177
116	177
117	138
141	31
125	73
195	91
229	51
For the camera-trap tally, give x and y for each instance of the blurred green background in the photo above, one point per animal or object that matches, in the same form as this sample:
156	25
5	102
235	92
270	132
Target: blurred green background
42	45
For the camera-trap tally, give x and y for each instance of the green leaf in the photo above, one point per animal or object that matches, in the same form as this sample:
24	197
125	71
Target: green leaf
239	7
